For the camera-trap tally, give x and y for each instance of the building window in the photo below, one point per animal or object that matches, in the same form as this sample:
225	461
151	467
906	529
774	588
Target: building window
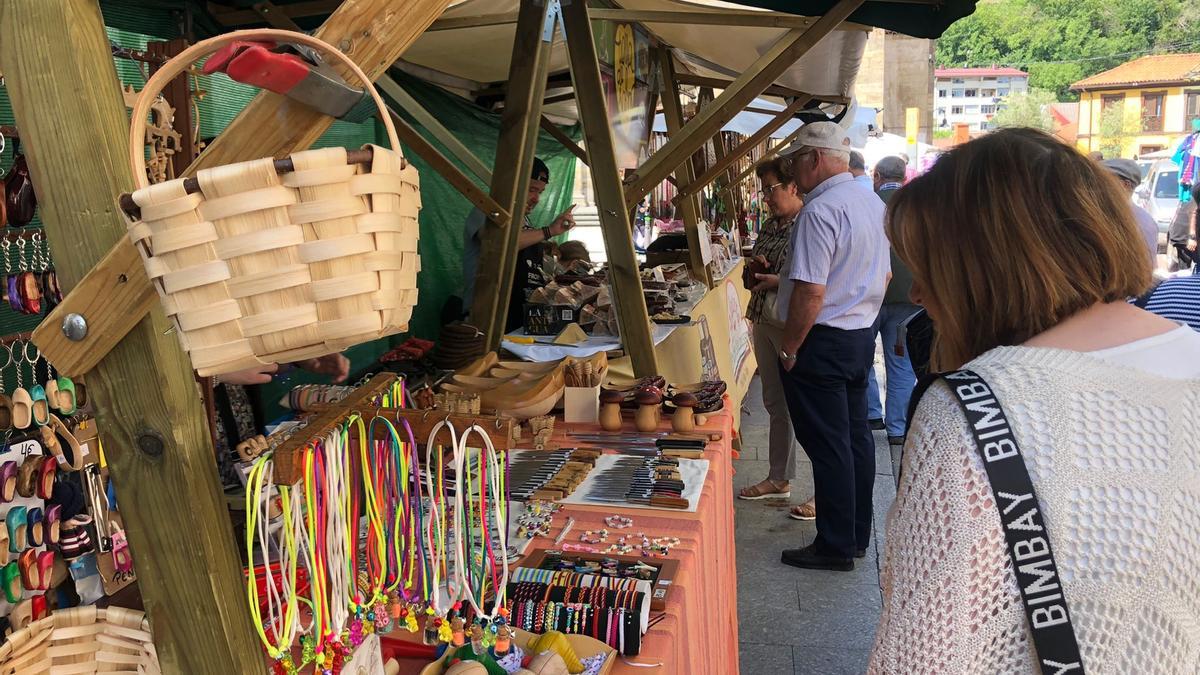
1152	111
987	93
988	109
972	93
957	80
989	79
972	110
1004	80
956	93
1108	102
956	110
1193	108
1003	91
941	93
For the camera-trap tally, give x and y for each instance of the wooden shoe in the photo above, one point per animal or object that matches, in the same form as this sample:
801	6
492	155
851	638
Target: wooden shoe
8	481
22	409
41	608
6	412
4	546
21	616
45	567
10	578
31	577
27	475
67	395
51	389
36	528
53	435
47	470
16	520
41	407
81	395
53	523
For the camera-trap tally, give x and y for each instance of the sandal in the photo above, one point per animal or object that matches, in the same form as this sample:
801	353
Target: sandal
10	577
27	476
53	523
757	491
68	400
31	578
36	530
47	470
805	511
16	521
41	407
45	567
8	482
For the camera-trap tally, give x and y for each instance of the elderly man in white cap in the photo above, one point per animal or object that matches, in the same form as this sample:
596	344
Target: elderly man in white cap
830	293
1128	173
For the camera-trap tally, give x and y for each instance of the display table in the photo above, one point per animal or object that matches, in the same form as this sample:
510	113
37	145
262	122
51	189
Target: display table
699	633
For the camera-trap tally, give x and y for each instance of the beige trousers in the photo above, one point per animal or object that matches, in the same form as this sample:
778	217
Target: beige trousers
768	341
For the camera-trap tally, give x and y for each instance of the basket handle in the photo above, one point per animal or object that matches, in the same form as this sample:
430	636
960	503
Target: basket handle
179	63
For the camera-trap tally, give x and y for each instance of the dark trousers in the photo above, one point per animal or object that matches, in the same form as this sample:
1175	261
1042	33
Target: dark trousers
827	397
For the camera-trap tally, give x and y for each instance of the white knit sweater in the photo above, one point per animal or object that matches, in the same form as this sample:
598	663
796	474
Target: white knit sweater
1114	456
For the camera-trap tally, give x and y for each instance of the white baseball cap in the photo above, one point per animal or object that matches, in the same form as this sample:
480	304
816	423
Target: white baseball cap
824	135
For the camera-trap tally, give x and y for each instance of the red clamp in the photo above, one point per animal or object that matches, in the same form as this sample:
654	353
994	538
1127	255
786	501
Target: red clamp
290	70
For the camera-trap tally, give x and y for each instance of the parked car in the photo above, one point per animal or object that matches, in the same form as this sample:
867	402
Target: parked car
1159	193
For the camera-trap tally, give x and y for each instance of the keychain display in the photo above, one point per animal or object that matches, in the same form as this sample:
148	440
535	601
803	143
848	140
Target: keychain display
30	284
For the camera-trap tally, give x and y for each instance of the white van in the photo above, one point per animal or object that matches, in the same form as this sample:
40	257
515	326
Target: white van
1159	193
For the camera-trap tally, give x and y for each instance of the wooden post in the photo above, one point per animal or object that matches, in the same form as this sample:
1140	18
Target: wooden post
68	103
373	32
434	126
514	163
726	163
689	208
565	140
777	59
624	276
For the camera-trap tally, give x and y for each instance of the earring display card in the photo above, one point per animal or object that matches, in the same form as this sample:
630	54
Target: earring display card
665	570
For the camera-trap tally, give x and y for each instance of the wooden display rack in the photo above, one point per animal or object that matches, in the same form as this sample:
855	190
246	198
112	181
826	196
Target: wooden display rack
288	456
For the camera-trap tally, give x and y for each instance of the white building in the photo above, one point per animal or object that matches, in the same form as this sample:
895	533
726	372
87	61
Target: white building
972	95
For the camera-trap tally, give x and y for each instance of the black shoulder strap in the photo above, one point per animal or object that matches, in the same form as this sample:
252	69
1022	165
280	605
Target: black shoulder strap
1024	529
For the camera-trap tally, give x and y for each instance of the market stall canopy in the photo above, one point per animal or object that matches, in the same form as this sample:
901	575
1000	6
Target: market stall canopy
755	116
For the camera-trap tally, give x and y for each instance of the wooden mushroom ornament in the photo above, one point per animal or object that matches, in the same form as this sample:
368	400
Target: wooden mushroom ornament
648	399
610	409
684	420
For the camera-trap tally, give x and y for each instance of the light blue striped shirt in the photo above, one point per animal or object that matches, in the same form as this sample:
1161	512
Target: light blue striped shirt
839	242
1178	299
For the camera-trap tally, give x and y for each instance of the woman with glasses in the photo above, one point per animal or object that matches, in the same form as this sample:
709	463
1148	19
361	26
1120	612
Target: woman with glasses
771	251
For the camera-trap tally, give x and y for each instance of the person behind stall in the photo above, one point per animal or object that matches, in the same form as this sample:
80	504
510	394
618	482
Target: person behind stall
858	168
1181	235
830	294
1129	175
574	258
771	251
528	274
1095	397
897	308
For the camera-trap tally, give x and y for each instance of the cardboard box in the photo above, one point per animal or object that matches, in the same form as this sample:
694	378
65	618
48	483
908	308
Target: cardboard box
581	405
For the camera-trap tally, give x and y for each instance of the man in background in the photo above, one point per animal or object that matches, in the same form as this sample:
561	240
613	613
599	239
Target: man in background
528	274
829	296
1129	175
858	168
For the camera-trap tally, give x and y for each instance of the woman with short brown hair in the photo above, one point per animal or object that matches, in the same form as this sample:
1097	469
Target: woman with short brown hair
1024	252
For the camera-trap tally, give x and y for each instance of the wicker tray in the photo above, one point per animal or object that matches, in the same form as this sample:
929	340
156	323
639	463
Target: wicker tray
82	640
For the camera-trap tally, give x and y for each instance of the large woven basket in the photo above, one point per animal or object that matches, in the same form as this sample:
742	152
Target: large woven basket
275	261
82	640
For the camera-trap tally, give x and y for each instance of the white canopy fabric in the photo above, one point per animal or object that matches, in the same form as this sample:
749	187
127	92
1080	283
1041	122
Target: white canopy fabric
482	54
857	122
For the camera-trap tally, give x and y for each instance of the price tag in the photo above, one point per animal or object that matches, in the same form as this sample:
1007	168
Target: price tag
27	448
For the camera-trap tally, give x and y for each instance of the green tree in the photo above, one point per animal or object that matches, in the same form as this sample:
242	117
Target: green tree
1059	42
1115	128
1026	109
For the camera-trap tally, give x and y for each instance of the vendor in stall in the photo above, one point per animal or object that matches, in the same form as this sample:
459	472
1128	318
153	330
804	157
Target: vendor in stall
528	274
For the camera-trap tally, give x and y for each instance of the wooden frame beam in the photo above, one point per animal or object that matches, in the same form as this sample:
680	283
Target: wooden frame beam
689	209
519	125
477	21
240	17
566	141
718	83
624	276
155	433
771	152
448	170
765	70
725	17
270	126
435	127
725	163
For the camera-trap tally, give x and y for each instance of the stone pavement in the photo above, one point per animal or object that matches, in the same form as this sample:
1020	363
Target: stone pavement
806	622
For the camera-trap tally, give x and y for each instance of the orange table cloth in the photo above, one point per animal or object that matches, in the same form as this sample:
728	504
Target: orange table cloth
699	633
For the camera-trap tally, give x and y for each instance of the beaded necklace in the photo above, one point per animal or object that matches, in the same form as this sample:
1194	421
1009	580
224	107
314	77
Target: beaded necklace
282	603
491	481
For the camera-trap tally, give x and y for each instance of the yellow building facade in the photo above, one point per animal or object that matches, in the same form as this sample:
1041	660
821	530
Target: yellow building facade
1157	96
